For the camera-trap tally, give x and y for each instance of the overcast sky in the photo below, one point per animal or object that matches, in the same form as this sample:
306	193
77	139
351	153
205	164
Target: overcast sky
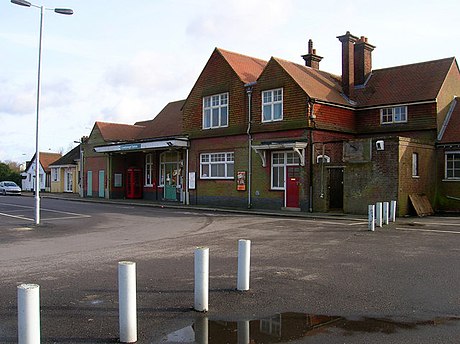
123	61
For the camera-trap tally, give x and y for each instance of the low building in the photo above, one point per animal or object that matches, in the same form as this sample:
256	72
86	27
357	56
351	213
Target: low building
65	172
28	176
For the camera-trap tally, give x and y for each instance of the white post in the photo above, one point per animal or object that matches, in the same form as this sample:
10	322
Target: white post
244	264
127	302
202	330
29	314
393	211
201	279
378	214
386	208
371	218
243	332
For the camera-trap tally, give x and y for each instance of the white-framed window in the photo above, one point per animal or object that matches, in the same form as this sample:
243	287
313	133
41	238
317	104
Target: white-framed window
415	165
452	168
148	170
396	114
272	105
280	160
217	165
215	111
55	174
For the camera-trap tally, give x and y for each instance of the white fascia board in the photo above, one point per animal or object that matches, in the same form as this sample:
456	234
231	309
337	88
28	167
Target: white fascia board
135	146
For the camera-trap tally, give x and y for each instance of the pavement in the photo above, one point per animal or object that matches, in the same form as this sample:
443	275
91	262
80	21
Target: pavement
174	205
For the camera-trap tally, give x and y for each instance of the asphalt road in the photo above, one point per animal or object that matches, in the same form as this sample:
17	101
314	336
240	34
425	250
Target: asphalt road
312	280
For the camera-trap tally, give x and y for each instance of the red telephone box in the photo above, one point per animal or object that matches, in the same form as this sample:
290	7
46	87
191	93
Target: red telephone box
134	183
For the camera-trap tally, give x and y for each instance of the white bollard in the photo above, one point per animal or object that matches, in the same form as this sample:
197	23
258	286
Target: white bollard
393	211
127	302
243	332
201	279
244	264
378	214
386	208
371	217
201	330
29	314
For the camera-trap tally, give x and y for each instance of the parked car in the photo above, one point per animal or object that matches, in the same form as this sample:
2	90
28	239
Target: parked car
9	188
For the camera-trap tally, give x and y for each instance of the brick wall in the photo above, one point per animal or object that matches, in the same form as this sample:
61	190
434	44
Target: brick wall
217	77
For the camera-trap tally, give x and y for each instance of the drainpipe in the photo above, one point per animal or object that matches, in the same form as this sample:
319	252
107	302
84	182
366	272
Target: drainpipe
311	118
249	87
187	195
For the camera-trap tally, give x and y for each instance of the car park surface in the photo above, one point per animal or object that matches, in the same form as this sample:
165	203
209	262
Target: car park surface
398	284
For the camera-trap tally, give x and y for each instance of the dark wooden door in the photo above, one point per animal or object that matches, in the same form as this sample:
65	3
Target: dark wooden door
336	188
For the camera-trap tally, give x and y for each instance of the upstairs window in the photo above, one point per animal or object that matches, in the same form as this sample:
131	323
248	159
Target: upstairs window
215	111
393	115
453	165
272	105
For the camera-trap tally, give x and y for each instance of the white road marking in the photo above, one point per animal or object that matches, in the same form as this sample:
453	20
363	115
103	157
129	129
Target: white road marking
437	224
22	217
16	217
426	230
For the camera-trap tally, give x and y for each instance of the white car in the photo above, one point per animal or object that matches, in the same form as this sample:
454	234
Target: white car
9	188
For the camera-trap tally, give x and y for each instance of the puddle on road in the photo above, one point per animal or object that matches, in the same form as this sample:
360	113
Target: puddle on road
286	327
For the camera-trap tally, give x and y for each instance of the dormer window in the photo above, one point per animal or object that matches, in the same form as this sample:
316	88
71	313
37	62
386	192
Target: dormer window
215	111
272	105
391	115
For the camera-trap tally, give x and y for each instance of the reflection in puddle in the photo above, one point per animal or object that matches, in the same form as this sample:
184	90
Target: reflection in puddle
288	326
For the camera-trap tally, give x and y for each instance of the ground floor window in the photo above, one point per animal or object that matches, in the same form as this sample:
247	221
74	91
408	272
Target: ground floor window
148	170
453	165
280	160
217	165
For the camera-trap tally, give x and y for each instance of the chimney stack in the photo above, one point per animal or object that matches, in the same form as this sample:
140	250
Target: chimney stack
311	59
363	60
348	63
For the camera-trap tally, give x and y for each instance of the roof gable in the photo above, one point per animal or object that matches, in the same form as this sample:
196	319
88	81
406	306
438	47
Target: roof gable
247	68
404	84
451	128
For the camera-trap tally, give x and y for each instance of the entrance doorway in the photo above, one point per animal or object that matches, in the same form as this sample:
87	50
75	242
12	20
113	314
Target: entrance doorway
68	180
336	189
292	187
171	175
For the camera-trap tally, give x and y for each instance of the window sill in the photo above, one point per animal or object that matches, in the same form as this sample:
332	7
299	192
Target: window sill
451	180
416	177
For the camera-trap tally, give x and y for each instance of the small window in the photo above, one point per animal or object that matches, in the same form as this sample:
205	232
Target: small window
393	115
217	166
415	165
215	111
55	174
148	170
452	167
272	105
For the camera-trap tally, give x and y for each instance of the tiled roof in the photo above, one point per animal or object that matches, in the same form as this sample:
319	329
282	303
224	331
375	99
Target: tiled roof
118	132
404	84
247	68
317	84
46	159
452	125
69	158
166	124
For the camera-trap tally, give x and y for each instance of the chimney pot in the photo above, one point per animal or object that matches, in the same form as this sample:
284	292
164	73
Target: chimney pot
311	59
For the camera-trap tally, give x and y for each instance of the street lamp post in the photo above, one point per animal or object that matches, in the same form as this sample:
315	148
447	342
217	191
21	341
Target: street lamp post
65	11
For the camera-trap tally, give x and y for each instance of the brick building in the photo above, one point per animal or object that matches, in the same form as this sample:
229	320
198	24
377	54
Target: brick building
277	134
